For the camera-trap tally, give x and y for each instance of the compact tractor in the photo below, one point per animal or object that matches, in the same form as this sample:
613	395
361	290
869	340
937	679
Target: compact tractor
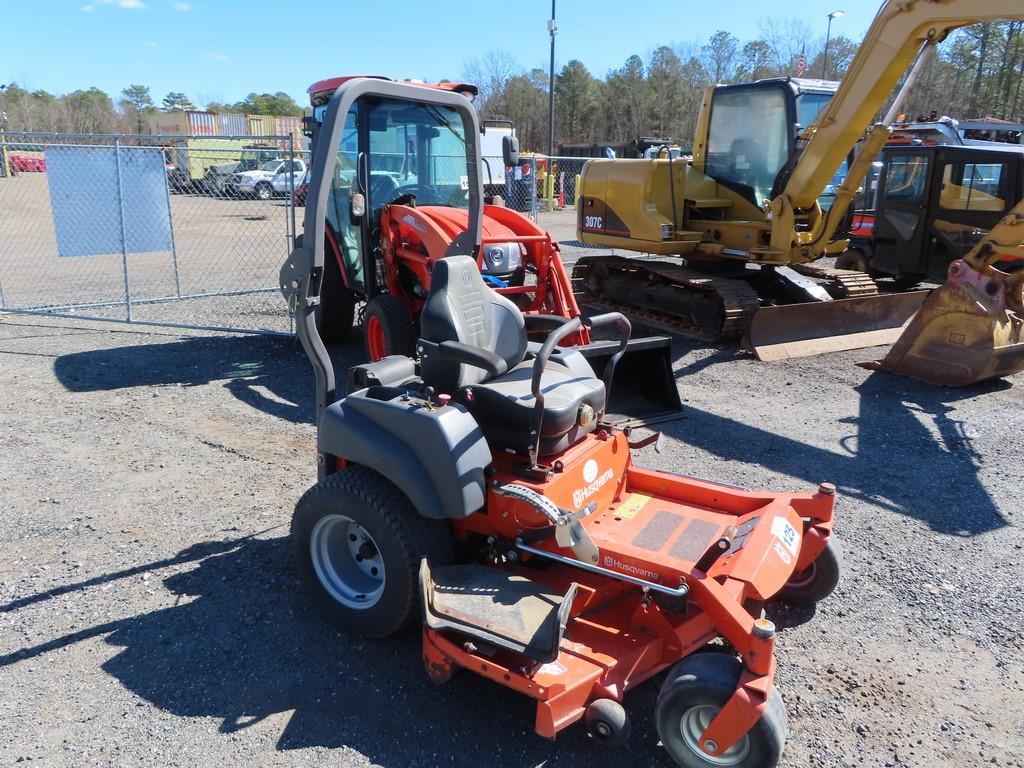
398	197
481	492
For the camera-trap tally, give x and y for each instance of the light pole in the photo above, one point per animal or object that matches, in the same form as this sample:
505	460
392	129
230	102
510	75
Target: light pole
828	34
552	29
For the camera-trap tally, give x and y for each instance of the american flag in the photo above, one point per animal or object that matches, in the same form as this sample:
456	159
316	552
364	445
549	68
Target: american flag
801	62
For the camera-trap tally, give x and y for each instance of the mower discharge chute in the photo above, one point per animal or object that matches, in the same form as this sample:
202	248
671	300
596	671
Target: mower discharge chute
485	494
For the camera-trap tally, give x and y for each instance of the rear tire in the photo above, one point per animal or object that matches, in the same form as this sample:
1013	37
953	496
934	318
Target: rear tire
337	308
695	691
358	542
387	328
818	580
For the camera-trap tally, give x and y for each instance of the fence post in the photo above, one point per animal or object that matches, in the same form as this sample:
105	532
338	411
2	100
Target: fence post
124	236
170	221
533	188
290	205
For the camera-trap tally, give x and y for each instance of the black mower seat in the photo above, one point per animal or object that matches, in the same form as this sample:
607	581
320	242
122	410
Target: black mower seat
460	307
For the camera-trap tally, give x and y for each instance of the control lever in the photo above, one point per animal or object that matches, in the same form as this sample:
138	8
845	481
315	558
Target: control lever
643	442
569	531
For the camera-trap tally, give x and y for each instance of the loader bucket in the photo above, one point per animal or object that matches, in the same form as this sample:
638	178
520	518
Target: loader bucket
963	334
812	328
644	388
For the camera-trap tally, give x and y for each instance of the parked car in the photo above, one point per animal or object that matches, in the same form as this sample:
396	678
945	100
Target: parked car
25	164
270	178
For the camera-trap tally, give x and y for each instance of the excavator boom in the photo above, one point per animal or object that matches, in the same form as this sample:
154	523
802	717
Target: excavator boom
747	213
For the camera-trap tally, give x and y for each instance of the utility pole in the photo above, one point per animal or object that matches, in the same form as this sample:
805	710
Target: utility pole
552	29
828	34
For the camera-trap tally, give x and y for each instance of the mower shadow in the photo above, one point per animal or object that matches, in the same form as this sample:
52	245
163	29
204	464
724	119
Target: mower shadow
893	460
269	373
243	646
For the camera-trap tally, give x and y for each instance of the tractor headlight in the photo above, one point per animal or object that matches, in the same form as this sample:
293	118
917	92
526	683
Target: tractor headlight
502	258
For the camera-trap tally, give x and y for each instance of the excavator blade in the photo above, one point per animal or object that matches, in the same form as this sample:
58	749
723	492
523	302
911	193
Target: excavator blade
644	389
812	328
964	334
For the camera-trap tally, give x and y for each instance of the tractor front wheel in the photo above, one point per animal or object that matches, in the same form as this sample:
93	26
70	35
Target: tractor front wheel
387	328
818	580
693	695
358	542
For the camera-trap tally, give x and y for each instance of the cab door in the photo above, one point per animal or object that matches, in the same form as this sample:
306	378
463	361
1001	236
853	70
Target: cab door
346	233
901	221
976	188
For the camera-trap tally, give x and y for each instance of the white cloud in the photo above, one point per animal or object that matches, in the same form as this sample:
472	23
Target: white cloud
179	5
217	57
87	8
130	4
149	44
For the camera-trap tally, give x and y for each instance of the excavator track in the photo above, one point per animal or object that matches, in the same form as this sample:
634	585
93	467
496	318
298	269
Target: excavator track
842	283
694	295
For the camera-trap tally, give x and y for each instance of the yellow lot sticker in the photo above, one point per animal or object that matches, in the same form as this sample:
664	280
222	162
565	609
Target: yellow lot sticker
629	508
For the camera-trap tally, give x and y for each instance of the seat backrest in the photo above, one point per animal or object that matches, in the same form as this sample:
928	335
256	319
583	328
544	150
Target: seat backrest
461	307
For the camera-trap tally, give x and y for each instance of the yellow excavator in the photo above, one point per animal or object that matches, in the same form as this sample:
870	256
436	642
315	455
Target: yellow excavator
761	201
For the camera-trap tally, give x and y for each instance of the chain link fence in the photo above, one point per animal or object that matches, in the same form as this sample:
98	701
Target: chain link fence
180	231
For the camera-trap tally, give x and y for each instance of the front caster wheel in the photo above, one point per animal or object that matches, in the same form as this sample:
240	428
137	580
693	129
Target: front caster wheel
818	580
607	722
358	543
694	693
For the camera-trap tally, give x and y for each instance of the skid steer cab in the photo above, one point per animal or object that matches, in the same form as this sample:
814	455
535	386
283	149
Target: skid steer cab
396	184
484	495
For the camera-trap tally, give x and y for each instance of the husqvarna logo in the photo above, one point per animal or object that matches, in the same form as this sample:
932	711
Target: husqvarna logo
594	482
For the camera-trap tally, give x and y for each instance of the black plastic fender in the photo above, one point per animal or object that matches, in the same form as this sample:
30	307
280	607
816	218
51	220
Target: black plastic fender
435	455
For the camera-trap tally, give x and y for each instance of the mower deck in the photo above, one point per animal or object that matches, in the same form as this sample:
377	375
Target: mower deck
681	561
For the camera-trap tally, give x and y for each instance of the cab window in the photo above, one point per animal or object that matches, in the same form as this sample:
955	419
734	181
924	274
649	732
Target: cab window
749	139
906	178
973	187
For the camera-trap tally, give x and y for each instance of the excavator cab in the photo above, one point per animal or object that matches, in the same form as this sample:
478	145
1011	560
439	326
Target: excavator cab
752	132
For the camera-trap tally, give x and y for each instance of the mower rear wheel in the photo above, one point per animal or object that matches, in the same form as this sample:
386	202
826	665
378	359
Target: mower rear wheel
358	542
694	693
387	327
607	722
818	580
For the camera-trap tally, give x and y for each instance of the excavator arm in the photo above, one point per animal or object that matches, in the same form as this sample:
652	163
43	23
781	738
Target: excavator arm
895	38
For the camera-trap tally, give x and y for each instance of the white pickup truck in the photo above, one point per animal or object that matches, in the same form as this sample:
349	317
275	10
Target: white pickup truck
274	177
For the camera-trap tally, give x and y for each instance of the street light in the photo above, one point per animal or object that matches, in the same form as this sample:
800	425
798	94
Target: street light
828	34
552	29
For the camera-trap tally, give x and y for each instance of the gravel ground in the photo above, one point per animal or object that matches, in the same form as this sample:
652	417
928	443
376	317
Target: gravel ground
150	615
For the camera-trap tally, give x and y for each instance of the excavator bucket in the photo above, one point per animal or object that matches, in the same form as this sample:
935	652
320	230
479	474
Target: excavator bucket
644	389
811	328
963	334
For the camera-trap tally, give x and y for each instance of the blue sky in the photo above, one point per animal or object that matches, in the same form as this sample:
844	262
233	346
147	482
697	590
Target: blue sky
223	49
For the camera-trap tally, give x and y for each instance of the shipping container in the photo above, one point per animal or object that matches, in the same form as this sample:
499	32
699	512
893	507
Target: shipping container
261	125
184	124
291	126
232	125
